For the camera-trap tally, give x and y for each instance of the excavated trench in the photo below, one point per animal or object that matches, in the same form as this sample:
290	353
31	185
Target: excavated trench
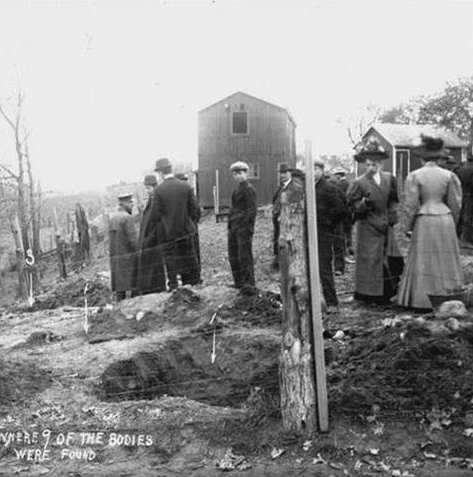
245	361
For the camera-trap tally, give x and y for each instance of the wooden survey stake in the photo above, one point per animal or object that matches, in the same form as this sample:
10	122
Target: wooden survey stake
316	299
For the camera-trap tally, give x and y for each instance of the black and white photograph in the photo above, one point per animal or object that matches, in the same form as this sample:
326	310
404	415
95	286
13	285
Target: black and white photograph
236	238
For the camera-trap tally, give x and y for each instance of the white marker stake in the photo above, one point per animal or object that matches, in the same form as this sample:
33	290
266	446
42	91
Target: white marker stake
30	262
214	355
86	322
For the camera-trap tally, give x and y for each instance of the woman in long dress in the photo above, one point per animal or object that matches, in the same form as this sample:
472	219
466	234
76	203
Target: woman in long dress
432	202
373	199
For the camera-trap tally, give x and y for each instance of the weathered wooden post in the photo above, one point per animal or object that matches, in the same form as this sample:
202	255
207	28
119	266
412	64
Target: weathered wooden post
303	392
60	245
296	365
216	191
82	234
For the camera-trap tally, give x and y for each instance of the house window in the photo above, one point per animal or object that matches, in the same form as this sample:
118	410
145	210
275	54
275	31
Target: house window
254	171
240	122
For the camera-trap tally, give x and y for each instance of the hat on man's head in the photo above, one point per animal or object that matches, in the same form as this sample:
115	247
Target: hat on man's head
162	164
150	180
298	174
371	149
339	170
181	176
285	168
431	148
239	166
319	163
125	197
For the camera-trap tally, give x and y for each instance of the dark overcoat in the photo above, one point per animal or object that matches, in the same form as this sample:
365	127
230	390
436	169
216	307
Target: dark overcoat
241	224
465	175
330	205
150	268
175	206
375	237
123	248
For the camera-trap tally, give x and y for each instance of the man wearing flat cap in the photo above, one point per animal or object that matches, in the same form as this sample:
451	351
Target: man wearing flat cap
151	277
123	248
175	206
241	223
285	178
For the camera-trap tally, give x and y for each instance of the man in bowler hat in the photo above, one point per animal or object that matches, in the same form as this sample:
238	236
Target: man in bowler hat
123	248
175	205
241	223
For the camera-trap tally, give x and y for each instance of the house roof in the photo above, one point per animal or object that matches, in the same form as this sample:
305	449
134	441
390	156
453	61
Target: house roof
408	135
252	97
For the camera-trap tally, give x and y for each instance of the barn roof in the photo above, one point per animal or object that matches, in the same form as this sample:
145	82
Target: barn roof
252	97
408	135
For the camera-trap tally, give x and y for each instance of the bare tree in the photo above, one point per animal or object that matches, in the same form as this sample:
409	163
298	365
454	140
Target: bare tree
24	209
357	124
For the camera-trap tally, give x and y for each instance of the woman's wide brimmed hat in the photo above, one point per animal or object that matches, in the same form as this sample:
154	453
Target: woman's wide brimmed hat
371	149
431	148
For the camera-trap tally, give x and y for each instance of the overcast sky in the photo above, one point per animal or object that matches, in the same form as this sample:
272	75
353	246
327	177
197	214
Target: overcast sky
111	86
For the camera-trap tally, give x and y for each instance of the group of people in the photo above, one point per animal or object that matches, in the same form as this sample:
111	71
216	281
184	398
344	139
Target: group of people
166	248
167	245
432	209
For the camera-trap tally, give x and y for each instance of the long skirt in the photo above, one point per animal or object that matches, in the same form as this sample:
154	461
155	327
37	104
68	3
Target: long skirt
433	265
379	264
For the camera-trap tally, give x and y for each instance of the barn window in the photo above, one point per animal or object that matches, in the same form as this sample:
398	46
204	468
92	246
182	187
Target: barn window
240	122
254	171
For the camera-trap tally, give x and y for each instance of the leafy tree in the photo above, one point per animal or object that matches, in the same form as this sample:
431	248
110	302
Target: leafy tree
452	108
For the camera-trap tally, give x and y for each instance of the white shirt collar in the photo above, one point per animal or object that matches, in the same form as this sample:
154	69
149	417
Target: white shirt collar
377	178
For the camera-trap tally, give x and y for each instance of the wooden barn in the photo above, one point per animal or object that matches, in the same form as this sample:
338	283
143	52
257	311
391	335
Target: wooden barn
399	140
241	127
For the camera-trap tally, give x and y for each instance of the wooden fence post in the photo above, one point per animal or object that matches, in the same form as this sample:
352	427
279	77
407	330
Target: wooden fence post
315	293
60	248
296	364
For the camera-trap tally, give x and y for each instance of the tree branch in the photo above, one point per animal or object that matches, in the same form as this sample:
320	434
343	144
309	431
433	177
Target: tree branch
9	171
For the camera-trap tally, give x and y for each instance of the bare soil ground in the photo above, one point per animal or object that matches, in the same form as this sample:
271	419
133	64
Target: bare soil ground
186	384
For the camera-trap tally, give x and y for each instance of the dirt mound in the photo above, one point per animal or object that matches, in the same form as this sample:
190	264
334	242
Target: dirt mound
41	337
71	293
111	324
262	308
403	368
21	380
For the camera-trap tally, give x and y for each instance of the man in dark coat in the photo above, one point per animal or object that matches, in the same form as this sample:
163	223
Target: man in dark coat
330	213
151	277
285	177
465	174
123	248
342	237
183	177
241	223
175	206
